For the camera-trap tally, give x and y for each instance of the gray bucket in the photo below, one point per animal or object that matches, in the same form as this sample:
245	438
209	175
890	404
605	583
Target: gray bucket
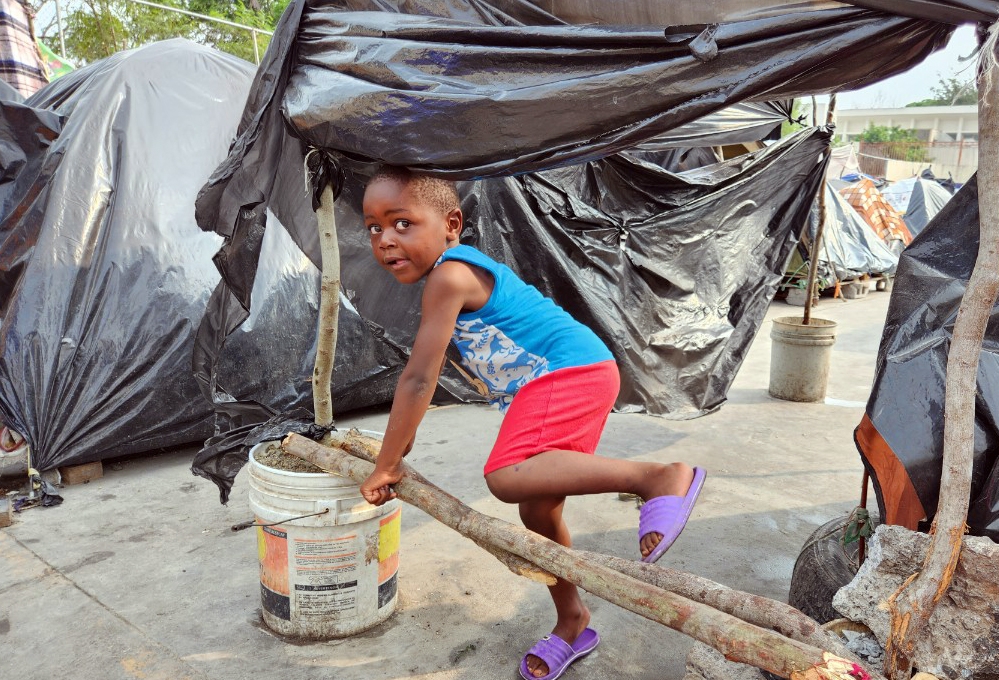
799	358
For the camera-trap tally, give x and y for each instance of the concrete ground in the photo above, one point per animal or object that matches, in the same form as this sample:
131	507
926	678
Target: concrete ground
138	575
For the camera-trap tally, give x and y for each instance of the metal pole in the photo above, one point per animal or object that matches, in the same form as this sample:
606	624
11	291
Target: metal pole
256	48
62	40
813	266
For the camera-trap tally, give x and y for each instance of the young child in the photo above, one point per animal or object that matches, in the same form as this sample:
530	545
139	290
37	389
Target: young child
554	378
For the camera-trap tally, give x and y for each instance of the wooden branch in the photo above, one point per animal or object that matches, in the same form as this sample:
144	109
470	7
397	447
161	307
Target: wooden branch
912	606
759	611
813	265
329	311
755	609
366	448
737	640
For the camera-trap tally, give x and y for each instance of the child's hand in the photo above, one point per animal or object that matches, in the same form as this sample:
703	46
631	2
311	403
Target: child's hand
377	488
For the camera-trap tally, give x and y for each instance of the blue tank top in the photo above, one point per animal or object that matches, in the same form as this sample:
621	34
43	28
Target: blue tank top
518	335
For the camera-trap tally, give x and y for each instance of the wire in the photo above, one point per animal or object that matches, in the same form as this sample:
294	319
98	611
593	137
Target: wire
253	523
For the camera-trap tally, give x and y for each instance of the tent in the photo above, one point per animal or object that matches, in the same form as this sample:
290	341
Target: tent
917	199
877	212
104	274
850	246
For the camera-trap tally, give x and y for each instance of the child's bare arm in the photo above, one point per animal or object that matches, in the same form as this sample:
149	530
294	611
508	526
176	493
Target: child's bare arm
443	297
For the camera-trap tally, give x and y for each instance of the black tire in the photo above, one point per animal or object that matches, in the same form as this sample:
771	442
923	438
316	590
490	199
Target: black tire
824	565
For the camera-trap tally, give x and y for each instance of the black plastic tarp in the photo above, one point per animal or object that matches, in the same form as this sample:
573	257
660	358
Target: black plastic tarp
476	90
673	271
104	274
906	406
378	85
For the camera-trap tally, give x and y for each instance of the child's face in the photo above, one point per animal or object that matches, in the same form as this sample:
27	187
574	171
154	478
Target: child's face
407	234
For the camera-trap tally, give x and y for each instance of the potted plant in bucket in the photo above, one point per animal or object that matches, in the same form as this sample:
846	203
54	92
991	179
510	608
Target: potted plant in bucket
328	559
801	347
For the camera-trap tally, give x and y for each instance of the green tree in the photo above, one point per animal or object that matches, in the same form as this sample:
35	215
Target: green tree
951	92
905	144
95	29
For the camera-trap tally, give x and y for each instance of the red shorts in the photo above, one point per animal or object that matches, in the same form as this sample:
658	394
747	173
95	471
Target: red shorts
564	410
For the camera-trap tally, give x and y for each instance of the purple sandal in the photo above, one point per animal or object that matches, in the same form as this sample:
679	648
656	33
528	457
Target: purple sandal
559	654
667	515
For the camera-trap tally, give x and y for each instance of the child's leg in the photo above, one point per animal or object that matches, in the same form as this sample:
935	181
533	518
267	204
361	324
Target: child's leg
544	516
557	474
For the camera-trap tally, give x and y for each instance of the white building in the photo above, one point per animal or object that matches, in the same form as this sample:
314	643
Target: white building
950	134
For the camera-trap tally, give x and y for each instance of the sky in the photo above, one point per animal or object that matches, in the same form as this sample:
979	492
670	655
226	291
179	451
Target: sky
916	83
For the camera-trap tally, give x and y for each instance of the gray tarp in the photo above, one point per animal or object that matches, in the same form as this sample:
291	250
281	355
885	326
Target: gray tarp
849	245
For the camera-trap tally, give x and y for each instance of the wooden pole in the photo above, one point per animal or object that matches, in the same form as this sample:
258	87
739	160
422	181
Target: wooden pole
736	639
912	606
813	265
329	311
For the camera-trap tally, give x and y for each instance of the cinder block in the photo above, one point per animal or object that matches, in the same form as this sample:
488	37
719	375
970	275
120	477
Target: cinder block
81	474
855	289
6	511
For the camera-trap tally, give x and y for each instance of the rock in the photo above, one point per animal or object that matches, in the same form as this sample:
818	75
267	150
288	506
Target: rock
963	639
707	663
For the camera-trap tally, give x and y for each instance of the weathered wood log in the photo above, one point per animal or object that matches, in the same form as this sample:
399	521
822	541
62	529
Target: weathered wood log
329	311
912	605
736	639
755	609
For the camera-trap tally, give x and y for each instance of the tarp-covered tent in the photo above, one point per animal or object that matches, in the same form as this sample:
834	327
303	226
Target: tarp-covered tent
887	222
376	86
104	274
849	246
901	435
917	199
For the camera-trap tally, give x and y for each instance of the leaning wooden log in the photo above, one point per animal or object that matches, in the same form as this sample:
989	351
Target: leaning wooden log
760	611
912	606
737	640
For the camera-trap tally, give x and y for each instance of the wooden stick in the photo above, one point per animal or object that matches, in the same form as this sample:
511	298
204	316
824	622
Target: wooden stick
913	604
813	265
329	311
737	640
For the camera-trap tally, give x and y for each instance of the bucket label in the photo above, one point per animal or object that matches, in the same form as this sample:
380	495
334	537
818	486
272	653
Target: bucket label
326	573
272	549
389	535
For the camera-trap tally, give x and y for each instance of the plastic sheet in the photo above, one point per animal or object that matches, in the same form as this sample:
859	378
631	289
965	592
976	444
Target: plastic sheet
906	406
104	272
376	84
849	246
674	271
918	200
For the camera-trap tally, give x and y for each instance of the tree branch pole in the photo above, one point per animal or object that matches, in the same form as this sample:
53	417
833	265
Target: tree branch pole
912	606
813	265
754	609
329	310
737	640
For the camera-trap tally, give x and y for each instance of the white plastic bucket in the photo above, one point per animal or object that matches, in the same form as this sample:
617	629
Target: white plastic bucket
330	575
799	358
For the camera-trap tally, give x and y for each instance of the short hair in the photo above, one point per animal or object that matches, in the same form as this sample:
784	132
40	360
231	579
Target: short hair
441	194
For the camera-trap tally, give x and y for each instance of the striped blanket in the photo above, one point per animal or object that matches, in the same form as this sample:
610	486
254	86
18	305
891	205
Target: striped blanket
20	61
